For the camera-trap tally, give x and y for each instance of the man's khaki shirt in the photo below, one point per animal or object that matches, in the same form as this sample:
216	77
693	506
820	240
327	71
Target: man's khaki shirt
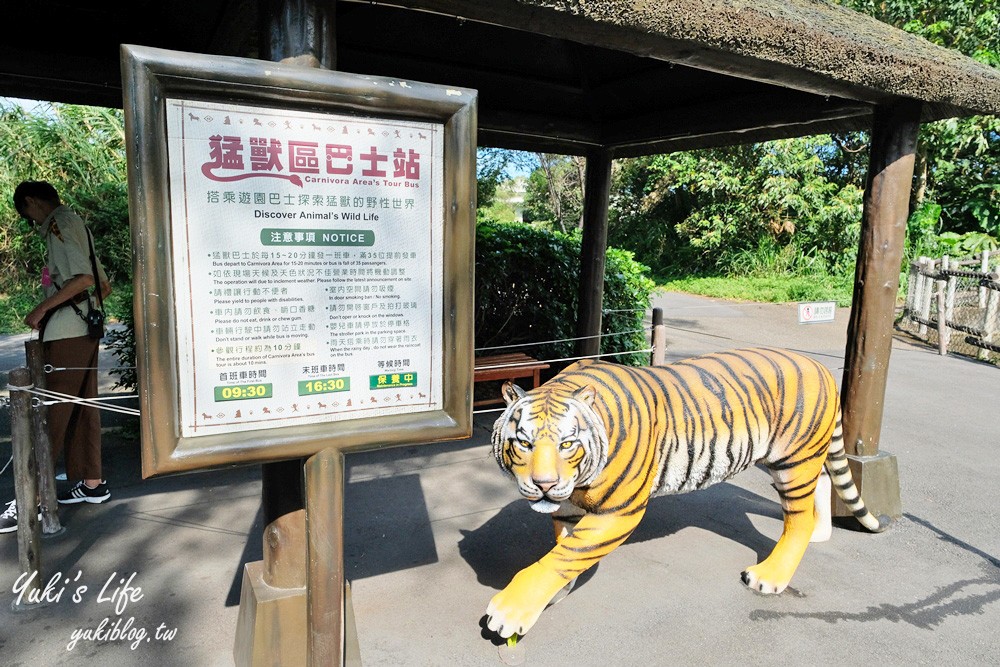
68	255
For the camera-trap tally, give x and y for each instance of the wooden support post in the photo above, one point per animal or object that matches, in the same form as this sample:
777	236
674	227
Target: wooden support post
300	32
332	636
25	487
593	247
659	339
48	505
272	627
876	284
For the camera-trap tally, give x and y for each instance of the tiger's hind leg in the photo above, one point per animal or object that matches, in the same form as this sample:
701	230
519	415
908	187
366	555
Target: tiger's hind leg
823	509
797	487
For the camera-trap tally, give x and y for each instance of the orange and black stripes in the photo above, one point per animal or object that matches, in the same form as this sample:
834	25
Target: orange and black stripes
605	438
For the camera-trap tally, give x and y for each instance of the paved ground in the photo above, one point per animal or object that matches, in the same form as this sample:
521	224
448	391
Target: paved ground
433	531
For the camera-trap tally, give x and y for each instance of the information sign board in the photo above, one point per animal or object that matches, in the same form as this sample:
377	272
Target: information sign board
303	254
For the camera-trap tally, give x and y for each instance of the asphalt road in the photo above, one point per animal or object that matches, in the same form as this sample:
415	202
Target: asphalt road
433	531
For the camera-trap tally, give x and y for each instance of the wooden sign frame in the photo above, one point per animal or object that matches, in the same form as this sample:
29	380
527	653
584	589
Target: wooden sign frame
155	78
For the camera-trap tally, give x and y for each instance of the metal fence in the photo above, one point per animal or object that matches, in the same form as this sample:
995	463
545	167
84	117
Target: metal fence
955	304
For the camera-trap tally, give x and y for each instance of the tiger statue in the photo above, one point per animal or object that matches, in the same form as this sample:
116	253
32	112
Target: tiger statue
595	443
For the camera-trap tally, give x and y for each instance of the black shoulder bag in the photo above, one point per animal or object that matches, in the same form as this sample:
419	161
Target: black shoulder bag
95	316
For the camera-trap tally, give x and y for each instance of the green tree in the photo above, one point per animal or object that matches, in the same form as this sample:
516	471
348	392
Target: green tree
554	195
493	167
958	160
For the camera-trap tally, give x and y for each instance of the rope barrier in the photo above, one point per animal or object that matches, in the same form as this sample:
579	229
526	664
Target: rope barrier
49	368
68	398
560	340
593	356
48	397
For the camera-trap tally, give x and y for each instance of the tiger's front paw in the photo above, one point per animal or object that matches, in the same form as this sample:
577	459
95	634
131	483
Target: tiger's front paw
516	608
764	580
506	618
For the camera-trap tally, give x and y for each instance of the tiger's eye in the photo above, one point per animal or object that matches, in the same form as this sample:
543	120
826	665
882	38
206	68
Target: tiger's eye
566	445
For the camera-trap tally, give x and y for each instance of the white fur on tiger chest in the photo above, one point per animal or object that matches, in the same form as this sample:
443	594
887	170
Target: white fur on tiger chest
716	457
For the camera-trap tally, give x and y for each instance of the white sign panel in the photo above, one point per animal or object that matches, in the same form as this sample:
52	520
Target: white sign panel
308	266
816	312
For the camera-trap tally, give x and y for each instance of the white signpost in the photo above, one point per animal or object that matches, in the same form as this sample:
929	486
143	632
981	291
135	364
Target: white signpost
817	312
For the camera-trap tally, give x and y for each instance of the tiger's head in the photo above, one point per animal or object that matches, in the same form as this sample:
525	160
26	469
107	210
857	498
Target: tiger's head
551	441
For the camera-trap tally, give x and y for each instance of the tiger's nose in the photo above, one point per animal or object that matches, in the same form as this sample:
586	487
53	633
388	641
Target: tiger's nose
543	484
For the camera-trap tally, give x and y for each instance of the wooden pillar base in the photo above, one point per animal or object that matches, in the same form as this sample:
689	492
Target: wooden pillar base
271	629
877	478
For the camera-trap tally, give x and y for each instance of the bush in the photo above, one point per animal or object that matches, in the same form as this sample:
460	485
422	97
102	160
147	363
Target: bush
527	283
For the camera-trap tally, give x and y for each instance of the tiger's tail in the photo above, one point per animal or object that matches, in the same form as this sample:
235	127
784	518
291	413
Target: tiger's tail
843	482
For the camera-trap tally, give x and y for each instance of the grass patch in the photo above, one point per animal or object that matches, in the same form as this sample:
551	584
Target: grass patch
773	289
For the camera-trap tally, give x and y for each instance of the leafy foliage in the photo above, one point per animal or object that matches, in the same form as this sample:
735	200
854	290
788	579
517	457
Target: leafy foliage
527	291
81	151
742	210
792	208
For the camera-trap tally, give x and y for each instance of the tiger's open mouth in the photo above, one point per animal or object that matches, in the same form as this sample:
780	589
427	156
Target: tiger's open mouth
544	505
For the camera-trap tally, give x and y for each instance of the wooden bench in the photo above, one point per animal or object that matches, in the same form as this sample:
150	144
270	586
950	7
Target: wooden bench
506	367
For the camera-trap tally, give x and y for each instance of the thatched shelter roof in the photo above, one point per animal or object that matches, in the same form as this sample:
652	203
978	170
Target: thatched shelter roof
636	76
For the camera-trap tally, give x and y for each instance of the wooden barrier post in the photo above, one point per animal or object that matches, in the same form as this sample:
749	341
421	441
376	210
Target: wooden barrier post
984	267
990	315
912	282
942	327
658	339
918	291
927	270
943	332
949	304
48	505
25	487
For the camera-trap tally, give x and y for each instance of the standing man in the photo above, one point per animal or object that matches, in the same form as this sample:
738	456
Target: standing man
74	429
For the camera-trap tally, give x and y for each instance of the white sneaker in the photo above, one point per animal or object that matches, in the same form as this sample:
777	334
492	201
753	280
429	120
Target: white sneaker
8	520
81	493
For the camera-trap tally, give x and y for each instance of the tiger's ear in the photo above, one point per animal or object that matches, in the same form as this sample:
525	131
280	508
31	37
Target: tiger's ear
585	394
511	392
